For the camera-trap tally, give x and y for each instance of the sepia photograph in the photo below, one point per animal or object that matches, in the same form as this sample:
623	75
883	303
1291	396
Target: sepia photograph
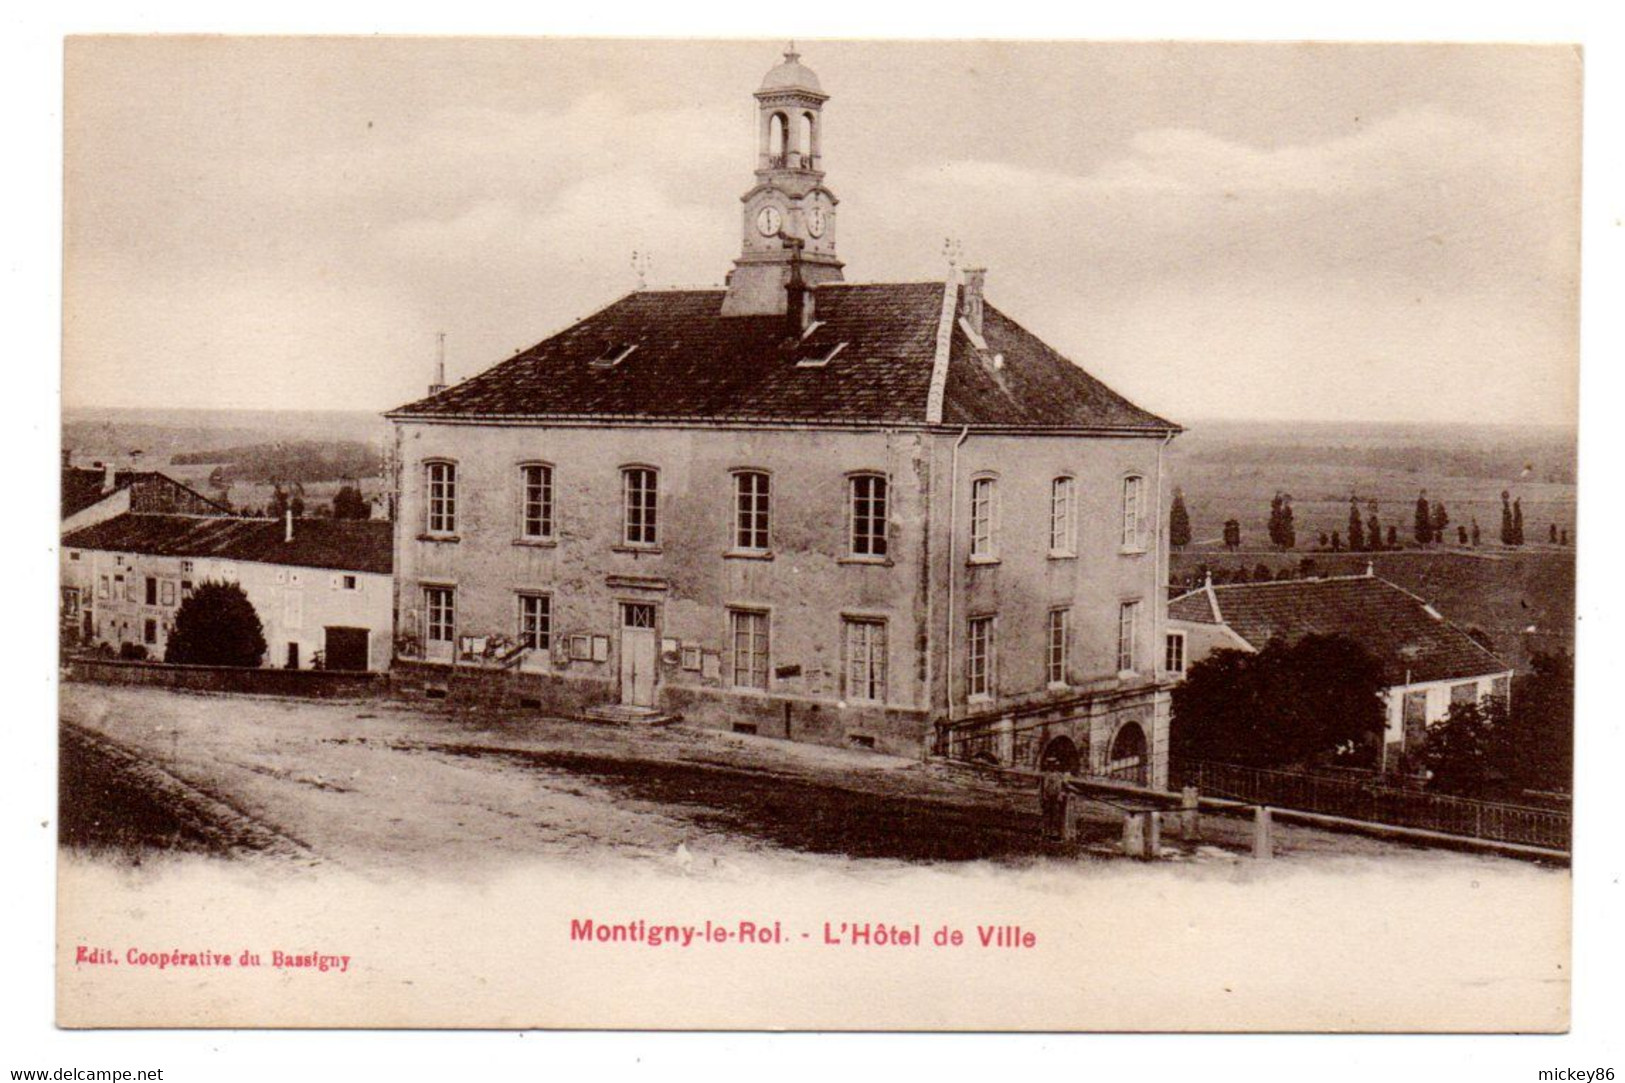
819	535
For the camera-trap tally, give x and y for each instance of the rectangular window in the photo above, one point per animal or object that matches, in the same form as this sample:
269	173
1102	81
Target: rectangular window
1059	645
1464	693
149	631
186	567
1174	661
1133	510
442	497
166	593
748	634
103	589
983	496
979	660
186	589
1062	517
536	520
751	496
865	645
440	614
348	582
868	507
641	502
536	621
126	588
1128	637
1501	689
152	591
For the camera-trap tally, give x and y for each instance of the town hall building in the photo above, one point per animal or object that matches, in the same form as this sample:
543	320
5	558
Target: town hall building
881	515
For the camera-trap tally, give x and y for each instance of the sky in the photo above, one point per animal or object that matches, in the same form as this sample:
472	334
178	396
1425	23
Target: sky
1217	231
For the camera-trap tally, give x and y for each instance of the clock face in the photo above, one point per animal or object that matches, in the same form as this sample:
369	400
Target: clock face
816	222
768	221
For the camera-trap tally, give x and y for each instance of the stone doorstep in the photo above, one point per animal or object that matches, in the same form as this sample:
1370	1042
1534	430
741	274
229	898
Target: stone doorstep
623	715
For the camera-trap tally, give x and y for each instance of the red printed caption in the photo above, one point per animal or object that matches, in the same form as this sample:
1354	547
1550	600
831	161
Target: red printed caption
208	959
855	934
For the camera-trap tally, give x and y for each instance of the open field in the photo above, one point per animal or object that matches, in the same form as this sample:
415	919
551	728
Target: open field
1232	469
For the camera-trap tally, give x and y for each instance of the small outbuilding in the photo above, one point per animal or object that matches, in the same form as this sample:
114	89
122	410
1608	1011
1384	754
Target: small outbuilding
1429	663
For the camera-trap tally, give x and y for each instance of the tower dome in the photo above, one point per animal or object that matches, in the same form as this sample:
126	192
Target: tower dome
790	74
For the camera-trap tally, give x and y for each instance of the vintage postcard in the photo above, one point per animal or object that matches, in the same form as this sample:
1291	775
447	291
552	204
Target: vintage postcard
826	535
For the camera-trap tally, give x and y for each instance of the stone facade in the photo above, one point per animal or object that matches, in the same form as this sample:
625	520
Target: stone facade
807	584
120	598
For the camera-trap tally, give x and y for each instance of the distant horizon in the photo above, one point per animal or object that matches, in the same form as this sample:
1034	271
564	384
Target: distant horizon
1187	423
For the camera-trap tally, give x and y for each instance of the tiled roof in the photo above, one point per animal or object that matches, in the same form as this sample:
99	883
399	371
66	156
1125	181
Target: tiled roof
692	364
82	487
352	545
1390	622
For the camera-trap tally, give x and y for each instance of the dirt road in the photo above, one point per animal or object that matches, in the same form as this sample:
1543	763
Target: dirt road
379	785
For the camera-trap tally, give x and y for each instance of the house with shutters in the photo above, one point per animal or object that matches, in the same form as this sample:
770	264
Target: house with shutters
1429	664
883	515
322	587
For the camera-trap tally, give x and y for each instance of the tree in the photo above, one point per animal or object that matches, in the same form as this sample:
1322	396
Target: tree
216	626
1356	526
1517	521
297	506
1543	724
1441	519
1551	535
1468	752
1492	748
1232	534
1337	542
1285	705
1373	530
1179	520
1325	542
278	507
348	503
1461	535
1283	534
1477	534
1393	537
1261	574
1506	518
1424	520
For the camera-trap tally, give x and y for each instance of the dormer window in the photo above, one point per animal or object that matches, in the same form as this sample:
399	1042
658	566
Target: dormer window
614	353
819	360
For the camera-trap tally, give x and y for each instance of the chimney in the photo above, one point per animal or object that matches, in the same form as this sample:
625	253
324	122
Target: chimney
287	525
109	476
798	299
439	384
970	297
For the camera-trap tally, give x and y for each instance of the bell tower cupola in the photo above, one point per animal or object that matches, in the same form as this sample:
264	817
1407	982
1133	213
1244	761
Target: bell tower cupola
788	214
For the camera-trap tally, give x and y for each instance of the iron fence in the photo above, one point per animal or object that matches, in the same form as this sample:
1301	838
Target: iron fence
1357	800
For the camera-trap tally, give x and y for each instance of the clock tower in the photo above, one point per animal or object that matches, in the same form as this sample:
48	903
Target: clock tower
788	215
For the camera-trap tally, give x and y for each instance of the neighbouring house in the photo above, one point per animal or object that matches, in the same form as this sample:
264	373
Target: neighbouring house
1429	663
883	515
322	587
92	495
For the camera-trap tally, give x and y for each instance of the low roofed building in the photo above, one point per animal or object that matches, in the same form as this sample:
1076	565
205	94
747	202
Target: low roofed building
1428	663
